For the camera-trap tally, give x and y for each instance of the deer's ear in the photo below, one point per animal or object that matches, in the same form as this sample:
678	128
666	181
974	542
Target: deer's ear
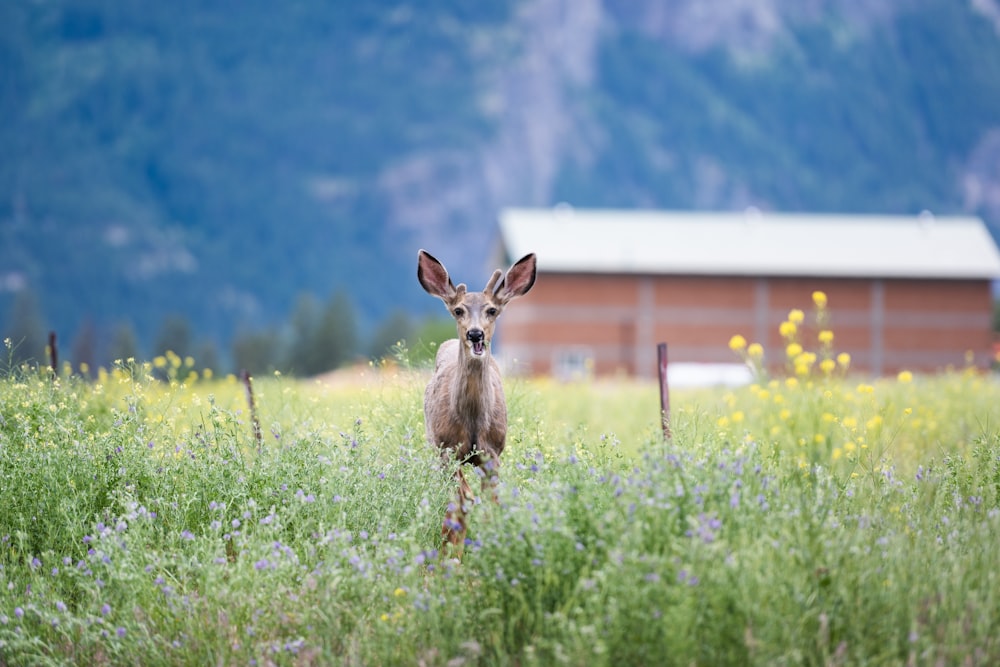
433	276
518	280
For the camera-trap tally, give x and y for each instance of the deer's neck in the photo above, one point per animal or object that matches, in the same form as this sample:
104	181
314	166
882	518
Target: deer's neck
473	391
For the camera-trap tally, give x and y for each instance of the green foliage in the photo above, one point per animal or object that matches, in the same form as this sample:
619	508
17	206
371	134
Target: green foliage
214	163
141	518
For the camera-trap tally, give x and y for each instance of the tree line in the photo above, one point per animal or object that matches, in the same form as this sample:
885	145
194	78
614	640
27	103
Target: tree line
318	336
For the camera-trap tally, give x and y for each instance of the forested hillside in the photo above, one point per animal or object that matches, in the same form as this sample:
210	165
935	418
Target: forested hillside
220	164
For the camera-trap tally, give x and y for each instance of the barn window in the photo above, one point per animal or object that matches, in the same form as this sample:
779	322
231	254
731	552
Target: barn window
574	363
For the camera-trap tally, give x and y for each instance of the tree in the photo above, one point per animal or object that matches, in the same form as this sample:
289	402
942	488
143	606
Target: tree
84	350
324	339
304	322
337	335
174	336
395	328
124	344
26	329
256	353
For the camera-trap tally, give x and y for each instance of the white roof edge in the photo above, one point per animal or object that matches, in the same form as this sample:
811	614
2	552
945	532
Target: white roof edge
752	243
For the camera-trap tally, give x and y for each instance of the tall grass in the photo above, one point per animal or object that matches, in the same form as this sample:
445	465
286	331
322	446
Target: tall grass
842	523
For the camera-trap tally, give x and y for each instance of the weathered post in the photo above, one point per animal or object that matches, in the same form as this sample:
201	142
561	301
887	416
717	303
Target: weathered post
53	355
661	355
258	436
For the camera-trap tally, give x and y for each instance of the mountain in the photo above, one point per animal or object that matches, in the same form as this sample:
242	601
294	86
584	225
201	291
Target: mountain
216	160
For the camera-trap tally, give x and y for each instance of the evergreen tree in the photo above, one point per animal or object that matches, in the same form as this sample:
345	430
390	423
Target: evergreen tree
124	344
395	328
26	329
256	353
174	336
84	351
336	338
301	358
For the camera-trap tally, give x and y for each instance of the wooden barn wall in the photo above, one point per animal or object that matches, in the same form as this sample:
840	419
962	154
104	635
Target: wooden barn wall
615	321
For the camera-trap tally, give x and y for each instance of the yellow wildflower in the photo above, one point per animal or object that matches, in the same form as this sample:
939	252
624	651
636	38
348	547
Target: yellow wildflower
825	336
737	343
793	350
819	298
844	359
756	350
827	366
787	329
905	376
795	316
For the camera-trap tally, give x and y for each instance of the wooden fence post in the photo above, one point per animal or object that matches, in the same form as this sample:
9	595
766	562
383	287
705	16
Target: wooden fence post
661	355
255	422
53	355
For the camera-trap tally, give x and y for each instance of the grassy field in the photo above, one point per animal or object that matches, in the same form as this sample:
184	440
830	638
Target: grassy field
813	518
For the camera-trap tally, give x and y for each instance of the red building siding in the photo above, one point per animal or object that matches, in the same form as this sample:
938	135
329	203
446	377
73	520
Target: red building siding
611	323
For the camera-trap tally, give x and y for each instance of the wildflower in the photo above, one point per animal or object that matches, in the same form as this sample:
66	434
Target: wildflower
755	350
105	609
827	366
787	329
737	343
793	350
18	612
825	337
120	631
844	359
795	316
819	298
905	376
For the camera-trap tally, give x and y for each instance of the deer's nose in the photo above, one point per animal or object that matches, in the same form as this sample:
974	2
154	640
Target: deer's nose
475	335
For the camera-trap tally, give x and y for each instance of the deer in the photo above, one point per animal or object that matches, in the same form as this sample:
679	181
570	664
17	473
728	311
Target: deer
465	411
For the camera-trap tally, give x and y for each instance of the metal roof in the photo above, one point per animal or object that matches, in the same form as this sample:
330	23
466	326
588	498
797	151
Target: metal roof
751	243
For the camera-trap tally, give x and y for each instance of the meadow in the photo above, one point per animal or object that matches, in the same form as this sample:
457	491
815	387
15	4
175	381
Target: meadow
812	517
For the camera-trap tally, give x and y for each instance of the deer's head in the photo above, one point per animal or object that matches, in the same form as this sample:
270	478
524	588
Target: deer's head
476	313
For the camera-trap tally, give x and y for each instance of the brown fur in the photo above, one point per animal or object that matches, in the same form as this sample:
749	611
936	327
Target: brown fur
464	407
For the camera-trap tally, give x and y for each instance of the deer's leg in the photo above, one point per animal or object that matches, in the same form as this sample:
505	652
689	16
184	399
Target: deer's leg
454	527
491	476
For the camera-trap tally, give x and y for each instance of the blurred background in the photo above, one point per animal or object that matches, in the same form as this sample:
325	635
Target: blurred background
248	182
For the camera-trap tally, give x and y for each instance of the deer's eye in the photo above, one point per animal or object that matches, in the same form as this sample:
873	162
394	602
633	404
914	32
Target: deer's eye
492	312
459	312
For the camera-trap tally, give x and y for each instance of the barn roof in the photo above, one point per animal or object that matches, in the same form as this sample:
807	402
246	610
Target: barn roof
751	243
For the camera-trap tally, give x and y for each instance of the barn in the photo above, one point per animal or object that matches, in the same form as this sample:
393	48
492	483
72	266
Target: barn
904	292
